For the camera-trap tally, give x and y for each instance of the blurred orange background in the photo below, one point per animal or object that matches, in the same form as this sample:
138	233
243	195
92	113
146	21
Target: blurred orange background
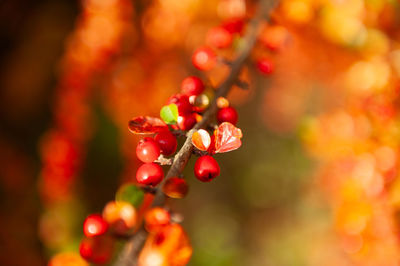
315	182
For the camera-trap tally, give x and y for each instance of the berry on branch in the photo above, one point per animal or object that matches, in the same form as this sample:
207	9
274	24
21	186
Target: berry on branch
94	225
265	66
204	59
167	142
234	25
149	174
206	168
186	122
97	249
182	102
227	114
192	86
219	37
148	150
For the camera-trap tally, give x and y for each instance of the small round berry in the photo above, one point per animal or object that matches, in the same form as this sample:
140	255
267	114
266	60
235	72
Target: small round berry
175	187
186	122
222	102
192	86
156	218
234	25
227	114
182	102
200	102
120	215
94	225
219	37
149	174
206	168
265	66
86	249
204	58
167	142
97	249
147	150
274	37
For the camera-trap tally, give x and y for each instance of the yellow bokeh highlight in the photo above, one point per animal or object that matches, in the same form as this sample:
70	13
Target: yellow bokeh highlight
341	28
298	11
366	77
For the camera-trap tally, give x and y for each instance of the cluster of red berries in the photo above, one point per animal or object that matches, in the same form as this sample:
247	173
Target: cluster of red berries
120	217
117	219
164	142
96	247
272	39
220	37
223	37
148	150
180	114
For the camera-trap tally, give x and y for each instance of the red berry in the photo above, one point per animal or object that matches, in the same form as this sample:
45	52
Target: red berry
97	249
182	102
227	114
219	37
186	122
167	142
204	58
86	249
192	86
149	174
147	150
234	25
274	37
206	168
156	218
94	225
265	66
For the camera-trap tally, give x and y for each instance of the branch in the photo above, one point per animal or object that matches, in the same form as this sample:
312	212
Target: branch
164	161
129	256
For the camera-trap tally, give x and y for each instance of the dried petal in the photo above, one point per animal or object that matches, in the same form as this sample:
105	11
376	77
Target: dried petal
175	187
146	125
227	138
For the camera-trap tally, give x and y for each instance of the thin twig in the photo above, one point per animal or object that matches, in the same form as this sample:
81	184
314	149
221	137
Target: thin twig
132	248
129	256
242	84
164	161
